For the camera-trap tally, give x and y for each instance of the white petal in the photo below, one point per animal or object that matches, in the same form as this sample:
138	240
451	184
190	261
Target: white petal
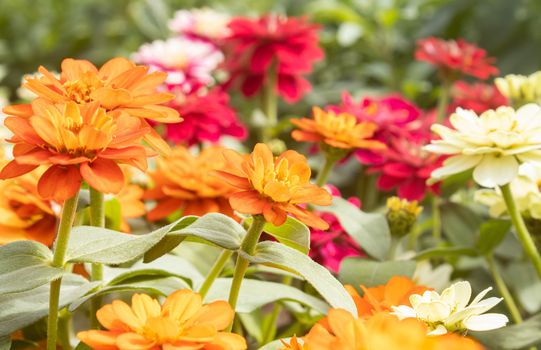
439	330
485	322
521	149
533	156
433	312
495	171
455	165
462	294
480	296
528	116
465	121
403	312
442	147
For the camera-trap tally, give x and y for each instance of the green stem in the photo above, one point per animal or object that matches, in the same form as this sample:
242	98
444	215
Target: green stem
436	218
65	329
269	332
60	247
97	219
443	101
215	272
269	101
504	291
248	247
325	171
521	229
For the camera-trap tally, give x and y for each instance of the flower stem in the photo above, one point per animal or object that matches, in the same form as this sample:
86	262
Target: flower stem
65	329
443	101
248	246
521	229
436	218
269	332
97	219
504	291
325	171
60	247
269	101
214	272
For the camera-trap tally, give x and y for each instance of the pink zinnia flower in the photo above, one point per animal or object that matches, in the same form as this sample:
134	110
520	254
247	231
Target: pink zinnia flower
189	64
329	247
203	24
288	44
456	57
478	97
207	117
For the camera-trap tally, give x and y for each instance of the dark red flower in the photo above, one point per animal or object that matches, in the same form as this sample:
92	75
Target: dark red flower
207	117
478	97
288	44
454	57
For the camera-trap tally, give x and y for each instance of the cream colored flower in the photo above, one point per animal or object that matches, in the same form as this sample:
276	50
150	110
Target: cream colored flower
520	89
493	144
450	311
525	189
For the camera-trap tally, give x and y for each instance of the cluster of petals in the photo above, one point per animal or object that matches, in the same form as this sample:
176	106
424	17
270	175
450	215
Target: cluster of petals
329	247
189	63
493	143
23	213
396	291
207	116
75	142
273	186
285	46
477	97
452	311
342	330
119	86
520	89
203	23
182	322
184	182
456	57
341	130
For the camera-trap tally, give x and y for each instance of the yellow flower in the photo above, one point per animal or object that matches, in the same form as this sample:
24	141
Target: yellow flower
520	89
493	144
183	322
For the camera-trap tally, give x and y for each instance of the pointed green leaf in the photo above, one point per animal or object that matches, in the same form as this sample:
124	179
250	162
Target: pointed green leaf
491	234
281	256
29	259
445	252
369	230
357	271
292	233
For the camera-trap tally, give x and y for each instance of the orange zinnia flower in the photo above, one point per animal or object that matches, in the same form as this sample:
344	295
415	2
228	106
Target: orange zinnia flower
183	322
118	85
23	214
76	142
341	131
183	182
340	330
273	186
378	299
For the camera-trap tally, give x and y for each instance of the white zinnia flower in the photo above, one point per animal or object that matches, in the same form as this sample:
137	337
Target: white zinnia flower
450	311
520	88
494	143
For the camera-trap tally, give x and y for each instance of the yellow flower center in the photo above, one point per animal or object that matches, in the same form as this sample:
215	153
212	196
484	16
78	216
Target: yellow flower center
162	330
80	90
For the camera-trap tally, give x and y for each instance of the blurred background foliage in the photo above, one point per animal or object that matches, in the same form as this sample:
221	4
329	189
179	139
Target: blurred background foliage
369	43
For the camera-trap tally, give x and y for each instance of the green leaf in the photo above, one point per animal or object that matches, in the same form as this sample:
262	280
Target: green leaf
491	234
158	286
25	265
151	17
113	214
292	233
515	337
255	294
445	252
168	243
213	228
18	310
104	246
5	342
460	224
369	230
356	271
281	256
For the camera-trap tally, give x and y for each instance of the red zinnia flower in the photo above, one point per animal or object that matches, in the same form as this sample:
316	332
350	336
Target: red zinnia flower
207	117
456	56
287	43
478	97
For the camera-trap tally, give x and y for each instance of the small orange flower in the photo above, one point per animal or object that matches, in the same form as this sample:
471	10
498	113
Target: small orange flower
76	142
183	182
341	131
340	330
119	85
183	322
23	214
273	186
380	299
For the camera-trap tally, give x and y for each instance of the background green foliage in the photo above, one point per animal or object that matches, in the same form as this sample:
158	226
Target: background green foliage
369	43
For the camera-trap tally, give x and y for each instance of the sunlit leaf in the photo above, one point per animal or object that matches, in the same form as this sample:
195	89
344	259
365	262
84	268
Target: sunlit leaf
357	271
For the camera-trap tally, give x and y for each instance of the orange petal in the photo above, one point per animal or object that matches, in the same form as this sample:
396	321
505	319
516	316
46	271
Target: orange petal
109	319
99	340
35	156
134	341
127	78
114	67
110	98
14	169
236	181
274	214
125	313
59	183
305	136
231	341
157	143
338	320
311	194
152	99
199	333
103	175
148	83
73	69
21	127
182	305
123	153
247	202
157	113
306	217
145	307
22	110
219	314
44	91
164	208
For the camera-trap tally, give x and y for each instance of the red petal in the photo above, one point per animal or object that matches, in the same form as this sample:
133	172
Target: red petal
14	169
